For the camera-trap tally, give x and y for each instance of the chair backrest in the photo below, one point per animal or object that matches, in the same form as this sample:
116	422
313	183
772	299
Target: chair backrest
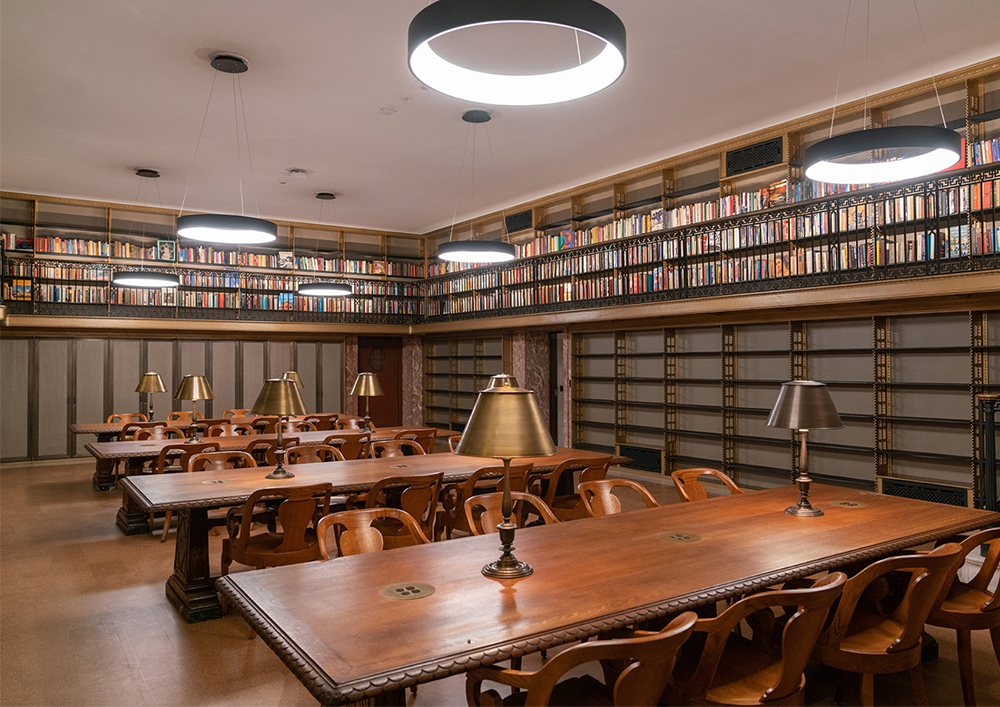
160	431
351	446
295	512
599	501
313	454
984	576
127	417
395	448
206	422
264	424
263	451
487	509
354	532
212	461
418	496
228	430
290	427
238	412
457	493
545	483
187	450
453	442
798	637
928	574
350	423
324	420
690	489
647	658
184	415
424	436
131	429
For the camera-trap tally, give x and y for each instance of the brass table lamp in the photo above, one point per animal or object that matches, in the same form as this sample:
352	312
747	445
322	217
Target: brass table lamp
293	376
804	406
280	397
194	388
506	423
150	383
367	386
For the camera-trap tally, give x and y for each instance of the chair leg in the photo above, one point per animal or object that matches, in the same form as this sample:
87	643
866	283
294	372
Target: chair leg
867	690
226	559
964	640
995	637
843	678
167	517
917	685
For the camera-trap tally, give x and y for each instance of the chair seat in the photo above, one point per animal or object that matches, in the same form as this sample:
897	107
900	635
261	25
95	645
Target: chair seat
569	508
963	608
585	691
269	542
868	635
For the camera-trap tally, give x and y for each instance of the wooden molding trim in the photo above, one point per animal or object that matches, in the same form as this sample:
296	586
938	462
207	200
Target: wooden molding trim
197	328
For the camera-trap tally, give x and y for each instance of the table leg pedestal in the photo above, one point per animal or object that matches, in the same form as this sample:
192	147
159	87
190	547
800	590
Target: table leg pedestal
191	588
104	476
131	519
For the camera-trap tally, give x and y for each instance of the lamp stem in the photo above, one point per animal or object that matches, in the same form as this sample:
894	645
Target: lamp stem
803	507
368	419
279	469
507	566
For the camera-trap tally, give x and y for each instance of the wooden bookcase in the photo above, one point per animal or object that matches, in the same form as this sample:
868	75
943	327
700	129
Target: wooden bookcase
455	370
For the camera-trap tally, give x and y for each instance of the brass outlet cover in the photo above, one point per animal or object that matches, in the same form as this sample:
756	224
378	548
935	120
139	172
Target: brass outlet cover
407	590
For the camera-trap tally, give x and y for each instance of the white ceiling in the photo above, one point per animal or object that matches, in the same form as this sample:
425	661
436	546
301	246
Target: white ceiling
91	90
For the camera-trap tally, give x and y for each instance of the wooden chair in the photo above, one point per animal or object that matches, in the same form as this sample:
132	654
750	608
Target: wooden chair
127	417
263	451
228	430
312	454
690	489
324	421
160	431
487	509
238	412
452	515
351	423
417	495
864	639
213	461
569	506
355	533
168	461
971	606
424	436
647	660
453	441
184	416
733	670
350	446
130	429
297	541
599	501
203	424
395	448
264	424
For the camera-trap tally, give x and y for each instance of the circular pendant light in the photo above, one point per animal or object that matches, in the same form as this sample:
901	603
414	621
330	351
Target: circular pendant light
227	229
908	151
144	278
477	251
325	289
445	16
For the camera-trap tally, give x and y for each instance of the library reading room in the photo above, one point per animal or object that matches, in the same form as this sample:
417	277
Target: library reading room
521	352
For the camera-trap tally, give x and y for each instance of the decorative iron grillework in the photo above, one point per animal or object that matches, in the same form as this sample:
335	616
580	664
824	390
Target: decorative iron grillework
925	491
751	157
643	458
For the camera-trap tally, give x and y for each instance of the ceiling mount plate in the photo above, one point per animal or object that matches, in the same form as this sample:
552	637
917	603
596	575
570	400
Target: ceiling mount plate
147	173
477	115
229	64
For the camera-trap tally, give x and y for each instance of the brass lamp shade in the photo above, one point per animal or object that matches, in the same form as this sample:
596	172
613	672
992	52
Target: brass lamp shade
194	387
506	422
279	396
293	376
804	405
367	385
151	383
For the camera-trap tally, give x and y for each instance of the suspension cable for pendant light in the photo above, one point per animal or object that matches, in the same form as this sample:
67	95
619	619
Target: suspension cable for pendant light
318	288
152	279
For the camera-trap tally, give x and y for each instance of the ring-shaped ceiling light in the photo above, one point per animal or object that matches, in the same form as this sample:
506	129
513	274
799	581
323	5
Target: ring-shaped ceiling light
445	16
325	289
226	229
477	251
144	278
939	148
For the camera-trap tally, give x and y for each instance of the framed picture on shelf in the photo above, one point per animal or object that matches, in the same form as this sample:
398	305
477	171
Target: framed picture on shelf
286	259
378	267
166	250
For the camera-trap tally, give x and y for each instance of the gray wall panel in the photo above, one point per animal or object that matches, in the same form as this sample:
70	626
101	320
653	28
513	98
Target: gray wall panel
305	363
192	362
253	371
279	358
333	376
160	359
14	355
89	387
223	376
126	375
53	391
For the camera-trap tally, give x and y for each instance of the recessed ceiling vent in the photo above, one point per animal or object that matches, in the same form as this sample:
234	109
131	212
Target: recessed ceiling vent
751	157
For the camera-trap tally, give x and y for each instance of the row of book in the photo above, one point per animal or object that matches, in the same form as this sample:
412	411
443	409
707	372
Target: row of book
986	151
72	246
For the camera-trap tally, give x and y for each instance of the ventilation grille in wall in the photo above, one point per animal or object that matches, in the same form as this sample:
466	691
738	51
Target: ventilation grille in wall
925	491
751	157
518	222
644	458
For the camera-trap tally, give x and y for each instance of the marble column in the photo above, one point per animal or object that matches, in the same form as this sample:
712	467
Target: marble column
413	381
530	364
567	384
350	373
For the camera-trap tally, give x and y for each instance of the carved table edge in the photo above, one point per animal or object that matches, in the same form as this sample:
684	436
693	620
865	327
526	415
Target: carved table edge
329	692
138	496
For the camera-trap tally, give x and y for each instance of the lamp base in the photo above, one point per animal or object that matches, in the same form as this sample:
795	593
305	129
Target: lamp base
280	473
804	511
507	567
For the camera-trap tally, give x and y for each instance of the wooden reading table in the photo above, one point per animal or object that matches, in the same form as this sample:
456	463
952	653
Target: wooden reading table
190	588
334	627
135	453
109	431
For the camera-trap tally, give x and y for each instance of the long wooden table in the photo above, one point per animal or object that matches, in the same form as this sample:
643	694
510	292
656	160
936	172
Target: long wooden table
137	453
109	431
346	641
190	587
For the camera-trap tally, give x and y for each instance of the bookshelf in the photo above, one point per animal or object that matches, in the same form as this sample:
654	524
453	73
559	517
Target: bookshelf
455	370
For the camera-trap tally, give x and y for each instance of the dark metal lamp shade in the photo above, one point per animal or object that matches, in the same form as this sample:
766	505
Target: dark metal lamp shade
506	422
194	387
804	405
367	385
279	396
151	383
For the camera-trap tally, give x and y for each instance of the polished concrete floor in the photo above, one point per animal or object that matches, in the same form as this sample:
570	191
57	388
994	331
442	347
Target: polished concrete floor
84	620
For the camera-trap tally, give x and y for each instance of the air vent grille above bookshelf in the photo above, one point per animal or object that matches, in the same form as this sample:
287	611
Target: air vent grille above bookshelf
925	491
751	157
518	222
